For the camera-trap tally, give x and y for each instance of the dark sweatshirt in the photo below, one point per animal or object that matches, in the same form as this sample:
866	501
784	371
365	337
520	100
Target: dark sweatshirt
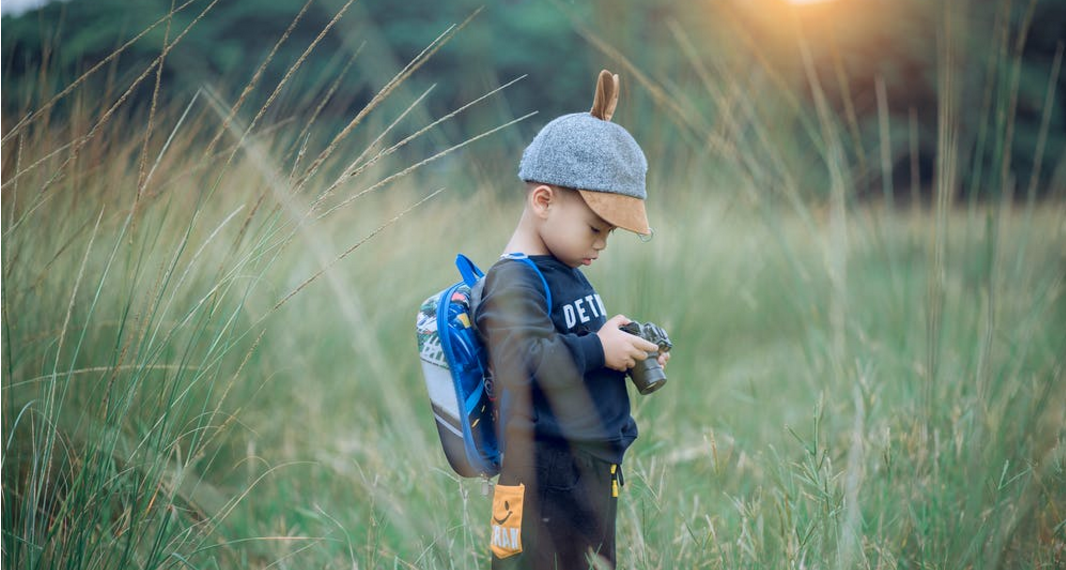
550	363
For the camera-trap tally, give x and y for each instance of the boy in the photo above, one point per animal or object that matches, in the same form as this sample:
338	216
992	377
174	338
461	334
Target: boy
560	370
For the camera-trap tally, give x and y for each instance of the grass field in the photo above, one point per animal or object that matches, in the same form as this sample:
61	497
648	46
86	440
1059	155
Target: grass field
206	366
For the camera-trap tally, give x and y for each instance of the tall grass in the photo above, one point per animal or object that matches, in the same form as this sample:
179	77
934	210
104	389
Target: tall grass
145	275
207	364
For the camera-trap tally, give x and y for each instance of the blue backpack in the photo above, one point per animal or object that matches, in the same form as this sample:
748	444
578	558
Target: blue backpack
456	371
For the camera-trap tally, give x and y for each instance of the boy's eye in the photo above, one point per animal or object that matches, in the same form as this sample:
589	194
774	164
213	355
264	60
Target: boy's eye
594	229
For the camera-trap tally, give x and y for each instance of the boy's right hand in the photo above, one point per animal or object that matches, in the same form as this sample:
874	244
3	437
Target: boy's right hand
621	350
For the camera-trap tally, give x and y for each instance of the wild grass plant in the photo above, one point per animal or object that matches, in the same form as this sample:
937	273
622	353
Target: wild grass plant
207	365
142	269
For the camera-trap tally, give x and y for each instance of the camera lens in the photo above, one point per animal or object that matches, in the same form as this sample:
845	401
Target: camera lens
647	375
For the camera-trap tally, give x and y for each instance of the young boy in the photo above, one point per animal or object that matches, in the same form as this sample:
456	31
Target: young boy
559	370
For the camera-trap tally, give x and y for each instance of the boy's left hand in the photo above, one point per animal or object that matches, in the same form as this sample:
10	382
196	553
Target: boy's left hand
664	357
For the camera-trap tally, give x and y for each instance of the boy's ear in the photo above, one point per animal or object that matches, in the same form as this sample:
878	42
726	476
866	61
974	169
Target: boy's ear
540	197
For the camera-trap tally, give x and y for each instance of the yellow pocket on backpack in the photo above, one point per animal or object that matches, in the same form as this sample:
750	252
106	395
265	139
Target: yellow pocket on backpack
507	520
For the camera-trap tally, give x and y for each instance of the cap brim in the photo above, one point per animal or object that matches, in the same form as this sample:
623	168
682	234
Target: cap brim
626	212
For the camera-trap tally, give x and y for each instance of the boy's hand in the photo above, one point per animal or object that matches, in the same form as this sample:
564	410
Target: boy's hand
664	357
621	350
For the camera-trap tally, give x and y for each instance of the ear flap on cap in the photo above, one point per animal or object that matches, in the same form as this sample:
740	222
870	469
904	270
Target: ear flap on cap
606	99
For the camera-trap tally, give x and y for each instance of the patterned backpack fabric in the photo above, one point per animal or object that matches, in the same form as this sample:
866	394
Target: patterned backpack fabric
456	372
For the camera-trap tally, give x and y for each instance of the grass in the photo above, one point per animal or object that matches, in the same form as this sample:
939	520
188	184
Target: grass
196	373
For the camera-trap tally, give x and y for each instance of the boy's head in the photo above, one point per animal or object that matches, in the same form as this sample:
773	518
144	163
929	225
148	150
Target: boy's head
599	159
565	226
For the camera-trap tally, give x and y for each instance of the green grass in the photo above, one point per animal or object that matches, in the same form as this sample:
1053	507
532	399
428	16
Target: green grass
852	386
231	440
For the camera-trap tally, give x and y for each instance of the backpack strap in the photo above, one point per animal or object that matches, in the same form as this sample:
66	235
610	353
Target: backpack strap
525	259
470	272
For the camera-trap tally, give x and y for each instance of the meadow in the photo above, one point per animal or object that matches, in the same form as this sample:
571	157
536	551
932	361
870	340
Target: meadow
209	353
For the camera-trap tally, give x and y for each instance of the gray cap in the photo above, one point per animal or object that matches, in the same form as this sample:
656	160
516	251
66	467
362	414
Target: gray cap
587	153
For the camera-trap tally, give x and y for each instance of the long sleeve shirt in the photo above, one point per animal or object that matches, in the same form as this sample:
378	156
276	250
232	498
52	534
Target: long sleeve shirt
548	363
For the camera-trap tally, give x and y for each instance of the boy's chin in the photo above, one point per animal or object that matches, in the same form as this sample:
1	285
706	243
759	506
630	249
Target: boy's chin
574	263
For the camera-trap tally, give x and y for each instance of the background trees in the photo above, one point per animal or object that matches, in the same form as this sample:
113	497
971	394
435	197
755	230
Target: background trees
1007	50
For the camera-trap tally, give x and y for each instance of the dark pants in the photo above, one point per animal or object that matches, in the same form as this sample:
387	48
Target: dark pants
570	506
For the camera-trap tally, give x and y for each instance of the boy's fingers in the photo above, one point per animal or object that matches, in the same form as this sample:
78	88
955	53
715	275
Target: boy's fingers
647	345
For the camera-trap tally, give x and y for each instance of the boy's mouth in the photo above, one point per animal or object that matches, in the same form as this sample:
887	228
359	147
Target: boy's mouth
588	260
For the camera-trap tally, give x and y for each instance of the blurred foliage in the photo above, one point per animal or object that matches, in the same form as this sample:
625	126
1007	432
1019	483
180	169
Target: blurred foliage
1007	52
166	403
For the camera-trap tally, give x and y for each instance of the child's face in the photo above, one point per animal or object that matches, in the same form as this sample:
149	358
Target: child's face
572	232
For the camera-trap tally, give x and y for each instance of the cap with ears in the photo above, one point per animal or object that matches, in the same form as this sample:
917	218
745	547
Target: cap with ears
589	153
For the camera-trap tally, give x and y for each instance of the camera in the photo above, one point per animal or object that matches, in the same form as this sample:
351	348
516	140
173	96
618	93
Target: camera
647	375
